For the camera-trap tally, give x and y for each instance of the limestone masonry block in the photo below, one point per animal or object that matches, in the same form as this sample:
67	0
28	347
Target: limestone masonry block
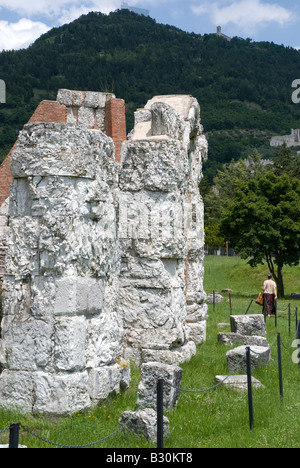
248	324
151	372
103	241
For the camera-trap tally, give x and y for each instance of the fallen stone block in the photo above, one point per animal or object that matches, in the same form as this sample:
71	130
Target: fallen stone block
248	324
259	356
238	382
218	298
144	422
147	389
234	338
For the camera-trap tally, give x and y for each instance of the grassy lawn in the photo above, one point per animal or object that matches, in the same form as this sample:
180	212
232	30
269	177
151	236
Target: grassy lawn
214	419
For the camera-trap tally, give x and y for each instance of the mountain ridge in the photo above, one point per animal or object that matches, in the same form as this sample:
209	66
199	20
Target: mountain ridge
243	87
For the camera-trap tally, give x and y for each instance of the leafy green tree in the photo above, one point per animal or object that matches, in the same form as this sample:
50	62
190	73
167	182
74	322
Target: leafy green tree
286	163
262	223
217	198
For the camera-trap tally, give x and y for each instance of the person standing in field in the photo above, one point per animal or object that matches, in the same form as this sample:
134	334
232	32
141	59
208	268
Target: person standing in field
270	295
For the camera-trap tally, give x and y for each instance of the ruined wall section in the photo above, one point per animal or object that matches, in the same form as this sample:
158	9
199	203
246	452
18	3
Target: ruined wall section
61	335
161	232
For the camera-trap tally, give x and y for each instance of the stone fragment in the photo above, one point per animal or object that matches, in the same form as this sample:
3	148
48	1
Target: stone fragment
238	382
248	324
259	356
151	372
144	423
218	298
233	338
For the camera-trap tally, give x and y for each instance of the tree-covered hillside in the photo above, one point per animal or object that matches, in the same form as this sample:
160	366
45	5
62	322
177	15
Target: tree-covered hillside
244	88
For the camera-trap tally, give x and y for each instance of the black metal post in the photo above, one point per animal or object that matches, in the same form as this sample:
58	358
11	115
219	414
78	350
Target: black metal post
160	413
296	314
214	300
275	313
249	380
279	365
249	307
14	429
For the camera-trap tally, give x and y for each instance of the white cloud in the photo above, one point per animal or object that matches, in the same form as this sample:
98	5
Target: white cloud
66	15
20	34
247	15
59	8
31	8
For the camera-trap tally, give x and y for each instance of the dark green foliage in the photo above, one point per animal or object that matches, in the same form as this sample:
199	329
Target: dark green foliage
244	88
262	222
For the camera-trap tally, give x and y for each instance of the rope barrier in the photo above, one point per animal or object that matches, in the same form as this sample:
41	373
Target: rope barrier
146	403
4	430
296	334
206	389
91	444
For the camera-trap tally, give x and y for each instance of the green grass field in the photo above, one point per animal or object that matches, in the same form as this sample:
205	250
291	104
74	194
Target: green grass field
214	419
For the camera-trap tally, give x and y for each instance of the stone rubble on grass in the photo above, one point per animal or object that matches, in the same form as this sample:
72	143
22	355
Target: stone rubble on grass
151	372
260	355
144	423
218	298
233	338
247	331
248	324
238	382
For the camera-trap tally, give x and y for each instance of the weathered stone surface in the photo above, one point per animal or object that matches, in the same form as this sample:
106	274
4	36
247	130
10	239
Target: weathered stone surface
248	324
147	389
174	356
218	298
238	382
232	338
144	423
60	324
102	261
104	381
161	218
259	356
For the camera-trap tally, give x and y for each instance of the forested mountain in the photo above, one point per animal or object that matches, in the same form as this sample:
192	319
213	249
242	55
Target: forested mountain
243	87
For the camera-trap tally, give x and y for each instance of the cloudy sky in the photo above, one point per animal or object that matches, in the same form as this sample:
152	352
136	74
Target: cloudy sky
23	21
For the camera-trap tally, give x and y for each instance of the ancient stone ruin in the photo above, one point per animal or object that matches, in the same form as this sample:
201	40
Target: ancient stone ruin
103	243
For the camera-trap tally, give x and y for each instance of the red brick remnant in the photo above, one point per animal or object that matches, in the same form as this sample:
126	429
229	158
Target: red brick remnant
49	111
115	123
54	111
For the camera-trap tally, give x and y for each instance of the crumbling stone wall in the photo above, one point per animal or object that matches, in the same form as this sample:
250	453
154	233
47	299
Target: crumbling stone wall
61	335
161	232
104	259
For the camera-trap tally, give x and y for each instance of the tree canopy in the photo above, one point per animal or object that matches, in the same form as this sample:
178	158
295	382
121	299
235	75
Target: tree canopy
243	87
262	222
